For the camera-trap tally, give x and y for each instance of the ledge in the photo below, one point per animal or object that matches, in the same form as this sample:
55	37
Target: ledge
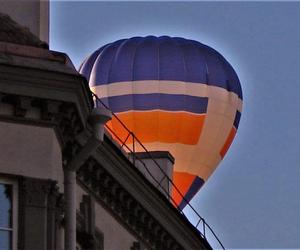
156	155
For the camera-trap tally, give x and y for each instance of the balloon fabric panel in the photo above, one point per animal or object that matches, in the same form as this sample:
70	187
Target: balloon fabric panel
160	126
188	185
175	95
228	142
143	59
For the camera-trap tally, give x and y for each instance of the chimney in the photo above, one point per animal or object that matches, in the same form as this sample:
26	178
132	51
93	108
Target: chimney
157	165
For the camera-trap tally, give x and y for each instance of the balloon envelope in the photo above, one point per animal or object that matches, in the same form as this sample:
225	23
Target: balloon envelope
176	95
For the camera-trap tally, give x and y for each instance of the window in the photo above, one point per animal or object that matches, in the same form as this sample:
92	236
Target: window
8	220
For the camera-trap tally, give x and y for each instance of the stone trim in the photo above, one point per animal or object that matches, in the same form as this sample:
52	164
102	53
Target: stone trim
156	155
40	204
62	116
88	236
31	52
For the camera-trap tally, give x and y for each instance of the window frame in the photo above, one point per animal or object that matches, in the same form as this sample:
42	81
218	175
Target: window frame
15	202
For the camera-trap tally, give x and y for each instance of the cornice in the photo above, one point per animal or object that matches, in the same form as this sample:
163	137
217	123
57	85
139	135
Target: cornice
47	84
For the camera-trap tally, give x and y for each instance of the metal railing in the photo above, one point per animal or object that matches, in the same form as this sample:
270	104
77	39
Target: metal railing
132	145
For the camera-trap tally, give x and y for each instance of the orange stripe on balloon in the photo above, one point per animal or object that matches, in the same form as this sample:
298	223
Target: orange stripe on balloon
228	142
182	181
168	127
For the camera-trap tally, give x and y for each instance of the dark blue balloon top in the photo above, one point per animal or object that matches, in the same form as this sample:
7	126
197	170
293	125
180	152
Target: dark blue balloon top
160	58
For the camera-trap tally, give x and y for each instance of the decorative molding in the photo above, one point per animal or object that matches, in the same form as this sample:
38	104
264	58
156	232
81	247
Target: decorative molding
45	91
62	116
88	236
125	207
39	203
20	105
34	192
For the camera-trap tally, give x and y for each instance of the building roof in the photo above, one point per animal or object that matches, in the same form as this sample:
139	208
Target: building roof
12	32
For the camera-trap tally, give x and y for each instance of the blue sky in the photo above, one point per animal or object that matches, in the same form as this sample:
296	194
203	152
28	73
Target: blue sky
252	199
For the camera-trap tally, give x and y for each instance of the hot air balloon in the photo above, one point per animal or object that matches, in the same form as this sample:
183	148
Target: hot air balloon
176	95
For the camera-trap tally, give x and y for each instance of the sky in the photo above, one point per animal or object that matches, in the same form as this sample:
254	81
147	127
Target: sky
252	200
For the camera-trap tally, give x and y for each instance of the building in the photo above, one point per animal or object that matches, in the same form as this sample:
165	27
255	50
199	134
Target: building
46	129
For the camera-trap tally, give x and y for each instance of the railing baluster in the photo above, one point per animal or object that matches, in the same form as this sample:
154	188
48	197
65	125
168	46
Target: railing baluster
133	148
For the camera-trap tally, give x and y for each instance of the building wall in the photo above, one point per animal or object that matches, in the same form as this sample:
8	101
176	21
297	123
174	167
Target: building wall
34	152
30	151
115	236
33	14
